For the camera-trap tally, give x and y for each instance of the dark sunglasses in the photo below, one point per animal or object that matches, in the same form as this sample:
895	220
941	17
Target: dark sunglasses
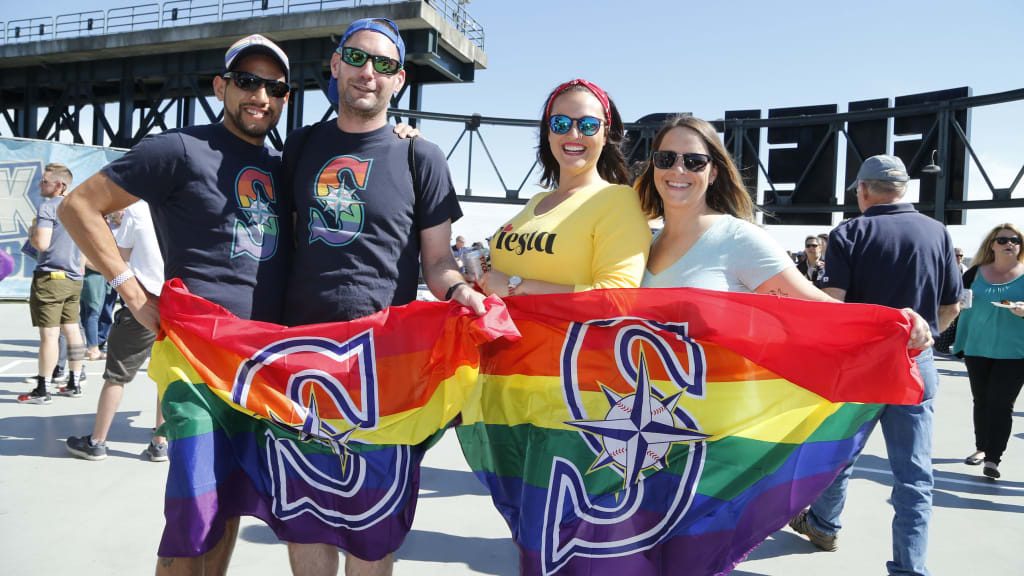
693	162
381	64
812	246
251	83
561	124
1015	240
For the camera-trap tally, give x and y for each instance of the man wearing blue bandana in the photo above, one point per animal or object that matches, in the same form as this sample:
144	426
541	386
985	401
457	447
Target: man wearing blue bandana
370	208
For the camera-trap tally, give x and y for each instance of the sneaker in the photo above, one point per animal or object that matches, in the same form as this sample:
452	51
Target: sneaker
81	376
74	386
991	470
826	542
71	391
157	452
59	374
975	459
83	447
36	396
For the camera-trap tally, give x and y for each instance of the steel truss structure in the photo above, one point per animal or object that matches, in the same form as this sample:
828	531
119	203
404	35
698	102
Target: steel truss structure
801	181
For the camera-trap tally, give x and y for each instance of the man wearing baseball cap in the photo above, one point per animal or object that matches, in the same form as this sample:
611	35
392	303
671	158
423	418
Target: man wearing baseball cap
224	229
894	256
370	208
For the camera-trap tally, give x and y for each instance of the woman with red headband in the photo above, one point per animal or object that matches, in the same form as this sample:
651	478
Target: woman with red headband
589	231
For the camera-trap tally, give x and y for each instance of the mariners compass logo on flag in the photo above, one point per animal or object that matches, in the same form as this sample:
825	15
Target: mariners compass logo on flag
636	435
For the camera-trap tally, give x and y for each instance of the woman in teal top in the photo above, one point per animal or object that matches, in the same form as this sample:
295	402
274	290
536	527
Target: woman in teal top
990	335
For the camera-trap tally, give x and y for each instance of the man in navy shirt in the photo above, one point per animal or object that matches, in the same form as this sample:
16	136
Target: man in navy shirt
224	226
894	256
370	210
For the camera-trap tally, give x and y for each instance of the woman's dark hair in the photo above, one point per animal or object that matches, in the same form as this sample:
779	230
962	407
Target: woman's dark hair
611	165
726	194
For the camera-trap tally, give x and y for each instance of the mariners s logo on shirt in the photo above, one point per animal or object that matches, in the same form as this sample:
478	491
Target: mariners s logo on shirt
256	228
337	213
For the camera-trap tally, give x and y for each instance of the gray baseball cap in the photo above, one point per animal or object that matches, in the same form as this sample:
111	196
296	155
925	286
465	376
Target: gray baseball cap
882	167
255	44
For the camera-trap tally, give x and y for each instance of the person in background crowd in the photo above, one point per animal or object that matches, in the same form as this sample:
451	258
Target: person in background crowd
960	259
130	341
811	265
892	255
107	311
94	294
990	335
56	288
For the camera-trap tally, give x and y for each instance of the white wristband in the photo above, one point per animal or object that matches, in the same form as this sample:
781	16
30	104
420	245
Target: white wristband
121	278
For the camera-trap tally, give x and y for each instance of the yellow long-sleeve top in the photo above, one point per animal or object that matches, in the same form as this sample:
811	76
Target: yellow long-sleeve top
596	238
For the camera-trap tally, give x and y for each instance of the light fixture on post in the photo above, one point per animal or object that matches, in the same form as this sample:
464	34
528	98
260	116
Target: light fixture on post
932	168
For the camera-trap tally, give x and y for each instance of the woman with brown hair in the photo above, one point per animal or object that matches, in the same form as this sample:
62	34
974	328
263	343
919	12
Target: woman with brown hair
990	335
709	239
589	231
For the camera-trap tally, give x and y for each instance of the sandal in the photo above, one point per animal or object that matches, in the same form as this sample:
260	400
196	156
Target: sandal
975	459
95	355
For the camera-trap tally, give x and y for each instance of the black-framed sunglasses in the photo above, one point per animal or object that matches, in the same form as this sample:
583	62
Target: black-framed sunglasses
812	246
251	83
1004	240
381	64
692	161
587	125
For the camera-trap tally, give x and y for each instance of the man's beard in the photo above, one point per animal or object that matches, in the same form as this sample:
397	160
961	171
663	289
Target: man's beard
256	132
349	107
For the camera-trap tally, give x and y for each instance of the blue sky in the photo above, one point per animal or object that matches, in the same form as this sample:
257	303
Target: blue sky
709	57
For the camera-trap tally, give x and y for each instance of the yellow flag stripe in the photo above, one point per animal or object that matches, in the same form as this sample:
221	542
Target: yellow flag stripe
769	410
169	365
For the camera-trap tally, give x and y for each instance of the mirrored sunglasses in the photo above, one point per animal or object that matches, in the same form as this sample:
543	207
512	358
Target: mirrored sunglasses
251	83
692	161
381	64
561	124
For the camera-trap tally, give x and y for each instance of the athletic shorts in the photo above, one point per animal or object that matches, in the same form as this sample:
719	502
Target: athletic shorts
54	300
128	347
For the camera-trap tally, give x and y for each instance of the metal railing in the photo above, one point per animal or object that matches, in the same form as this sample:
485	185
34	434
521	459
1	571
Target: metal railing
454	11
132	18
80	24
30	29
955	139
186	12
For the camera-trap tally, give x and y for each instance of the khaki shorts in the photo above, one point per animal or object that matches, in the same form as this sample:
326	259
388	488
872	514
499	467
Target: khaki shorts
53	300
127	347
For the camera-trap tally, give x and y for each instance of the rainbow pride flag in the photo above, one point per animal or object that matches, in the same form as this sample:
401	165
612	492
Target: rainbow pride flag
317	430
670	431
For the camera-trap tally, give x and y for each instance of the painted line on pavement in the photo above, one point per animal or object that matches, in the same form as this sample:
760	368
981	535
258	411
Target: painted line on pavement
9	365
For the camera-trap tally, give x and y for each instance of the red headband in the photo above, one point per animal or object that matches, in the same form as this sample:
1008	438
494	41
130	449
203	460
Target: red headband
594	89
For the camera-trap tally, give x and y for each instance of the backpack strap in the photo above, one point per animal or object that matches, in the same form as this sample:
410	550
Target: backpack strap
417	187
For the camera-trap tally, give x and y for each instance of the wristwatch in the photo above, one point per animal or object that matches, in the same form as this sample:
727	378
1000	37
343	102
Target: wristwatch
513	283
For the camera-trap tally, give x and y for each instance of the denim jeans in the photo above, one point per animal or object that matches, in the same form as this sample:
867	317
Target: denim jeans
908	442
94	291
